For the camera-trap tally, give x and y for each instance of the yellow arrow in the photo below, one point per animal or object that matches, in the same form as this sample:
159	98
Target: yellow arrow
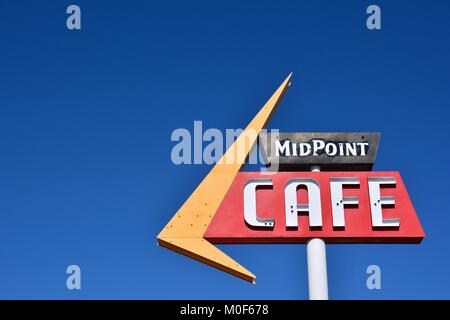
184	232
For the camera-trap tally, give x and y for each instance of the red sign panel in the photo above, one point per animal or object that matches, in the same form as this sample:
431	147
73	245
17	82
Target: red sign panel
339	207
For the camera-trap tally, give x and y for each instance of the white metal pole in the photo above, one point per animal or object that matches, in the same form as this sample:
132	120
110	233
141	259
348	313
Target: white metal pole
317	265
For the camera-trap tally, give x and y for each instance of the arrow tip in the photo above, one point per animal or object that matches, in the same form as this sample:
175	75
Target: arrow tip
288	78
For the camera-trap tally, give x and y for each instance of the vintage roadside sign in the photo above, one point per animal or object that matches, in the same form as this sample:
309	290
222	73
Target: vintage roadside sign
230	206
336	151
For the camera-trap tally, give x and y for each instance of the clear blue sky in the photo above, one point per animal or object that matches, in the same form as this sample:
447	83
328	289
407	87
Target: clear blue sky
86	118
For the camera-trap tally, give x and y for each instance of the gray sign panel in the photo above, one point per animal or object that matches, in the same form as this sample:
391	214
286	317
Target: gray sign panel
349	151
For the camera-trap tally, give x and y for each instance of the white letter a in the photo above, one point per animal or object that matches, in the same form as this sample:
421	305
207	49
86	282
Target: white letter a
74	280
374	20
74	20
